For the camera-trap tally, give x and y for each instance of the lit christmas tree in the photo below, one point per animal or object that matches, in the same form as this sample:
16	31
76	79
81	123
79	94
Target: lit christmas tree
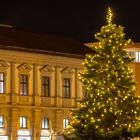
111	109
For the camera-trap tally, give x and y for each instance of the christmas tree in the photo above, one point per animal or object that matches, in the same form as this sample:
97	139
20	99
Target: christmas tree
111	109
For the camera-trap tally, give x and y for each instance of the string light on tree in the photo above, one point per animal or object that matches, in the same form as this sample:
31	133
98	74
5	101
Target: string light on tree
111	105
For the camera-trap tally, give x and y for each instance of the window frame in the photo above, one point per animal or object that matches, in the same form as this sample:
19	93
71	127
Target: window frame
45	123
137	56
66	87
23	84
85	95
45	86
23	122
3	83
131	54
65	123
1	122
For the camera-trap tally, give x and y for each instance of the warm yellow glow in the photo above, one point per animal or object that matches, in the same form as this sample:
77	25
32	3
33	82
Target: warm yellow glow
109	15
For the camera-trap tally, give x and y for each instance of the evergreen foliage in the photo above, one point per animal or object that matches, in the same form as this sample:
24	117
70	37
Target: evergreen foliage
111	110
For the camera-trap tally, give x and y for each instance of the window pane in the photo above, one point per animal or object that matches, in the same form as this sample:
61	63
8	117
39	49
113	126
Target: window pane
67	92
20	122
47	91
43	80
85	95
25	89
43	90
1	82
67	82
66	88
23	122
45	86
1	76
137	56
23	84
131	54
1	87
45	123
1	122
25	78
65	123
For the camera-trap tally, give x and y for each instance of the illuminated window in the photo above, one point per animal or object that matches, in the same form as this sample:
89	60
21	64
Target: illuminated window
65	123
45	86
1	82
137	56
23	122
45	123
23	84
66	88
1	122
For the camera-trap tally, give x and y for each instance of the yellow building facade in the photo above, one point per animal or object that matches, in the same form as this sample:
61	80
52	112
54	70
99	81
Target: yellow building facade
22	105
37	87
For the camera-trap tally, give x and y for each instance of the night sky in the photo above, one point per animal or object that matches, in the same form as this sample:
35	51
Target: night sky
78	19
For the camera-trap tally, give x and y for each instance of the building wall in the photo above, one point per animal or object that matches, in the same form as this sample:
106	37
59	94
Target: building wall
33	106
135	66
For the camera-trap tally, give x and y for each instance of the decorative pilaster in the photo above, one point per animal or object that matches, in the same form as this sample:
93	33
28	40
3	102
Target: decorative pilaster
37	122
37	100
13	93
14	123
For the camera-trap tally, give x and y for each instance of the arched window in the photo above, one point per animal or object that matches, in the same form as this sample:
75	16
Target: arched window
45	123
1	122
23	122
65	123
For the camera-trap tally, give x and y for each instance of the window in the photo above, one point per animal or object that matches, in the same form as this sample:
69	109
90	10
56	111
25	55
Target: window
23	84
85	95
1	122
45	86
45	123
65	123
131	54
23	122
66	88
1	82
137	56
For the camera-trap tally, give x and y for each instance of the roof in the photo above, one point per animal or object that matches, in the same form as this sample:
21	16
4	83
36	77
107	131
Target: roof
134	45
15	39
94	44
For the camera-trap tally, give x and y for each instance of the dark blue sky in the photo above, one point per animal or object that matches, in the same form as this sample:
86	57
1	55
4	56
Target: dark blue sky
78	19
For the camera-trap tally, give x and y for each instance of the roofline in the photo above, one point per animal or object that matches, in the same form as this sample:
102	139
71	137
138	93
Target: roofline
22	49
133	45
